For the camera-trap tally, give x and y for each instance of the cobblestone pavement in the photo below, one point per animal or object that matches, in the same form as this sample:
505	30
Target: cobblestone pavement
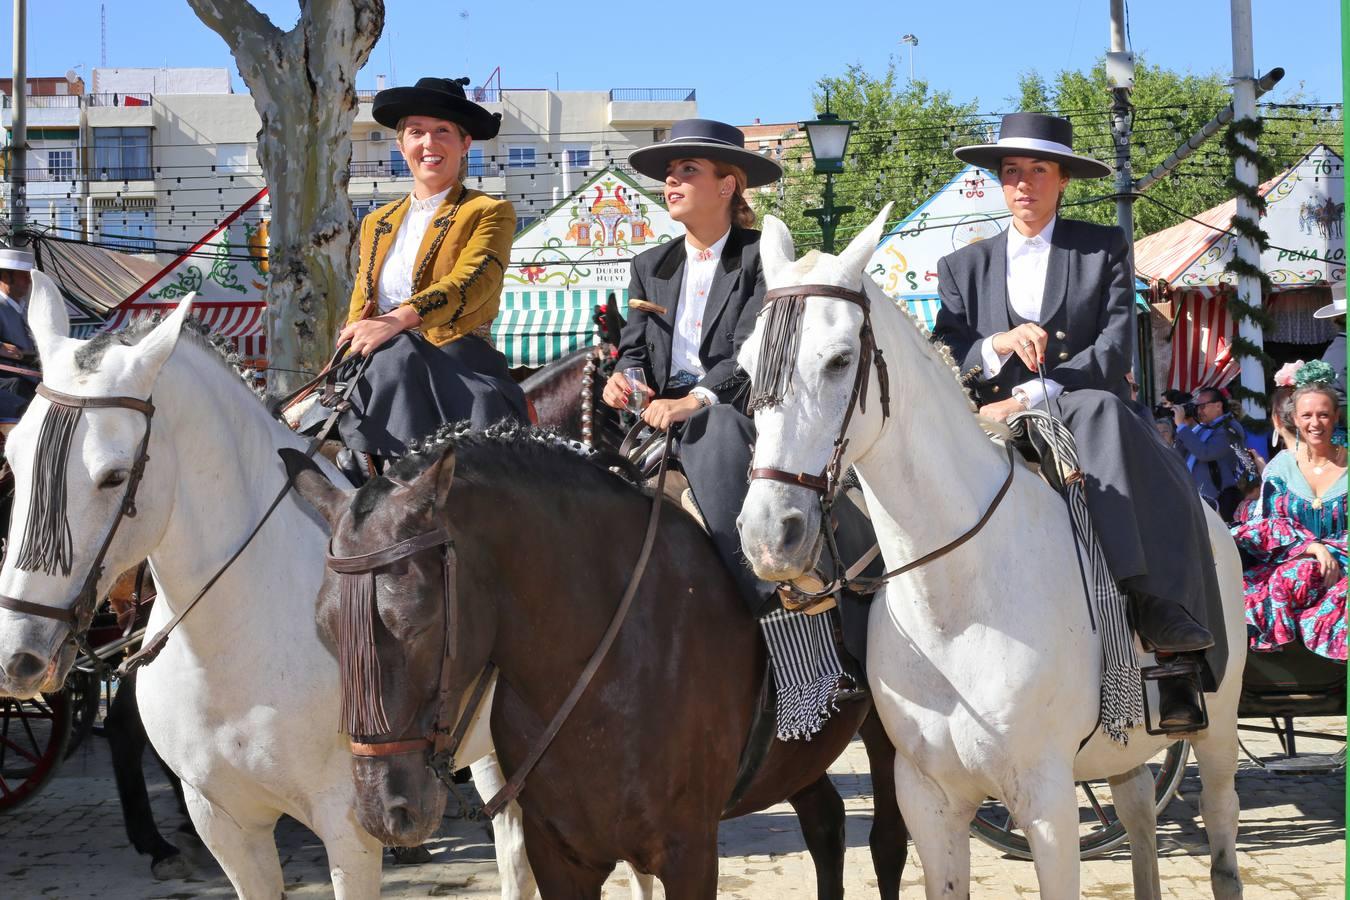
68	843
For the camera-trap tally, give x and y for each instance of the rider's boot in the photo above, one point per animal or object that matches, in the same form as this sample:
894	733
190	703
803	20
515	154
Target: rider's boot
1165	627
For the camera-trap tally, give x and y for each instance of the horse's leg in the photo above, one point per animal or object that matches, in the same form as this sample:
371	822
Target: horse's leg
354	857
1045	807
1216	754
243	844
1133	795
941	831
560	877
888	839
127	742
186	828
508	832
820	811
641	885
688	869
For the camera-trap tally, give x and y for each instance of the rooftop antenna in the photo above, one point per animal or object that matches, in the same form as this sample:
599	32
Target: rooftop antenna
103	35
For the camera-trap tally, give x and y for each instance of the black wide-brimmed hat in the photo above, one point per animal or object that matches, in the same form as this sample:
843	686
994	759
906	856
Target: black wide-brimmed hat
705	139
440	98
1036	135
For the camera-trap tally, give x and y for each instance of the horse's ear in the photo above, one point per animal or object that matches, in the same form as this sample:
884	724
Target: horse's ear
776	251
313	485
860	249
157	346
47	317
436	479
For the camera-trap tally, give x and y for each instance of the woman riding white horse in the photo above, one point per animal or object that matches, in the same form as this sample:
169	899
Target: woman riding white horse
983	662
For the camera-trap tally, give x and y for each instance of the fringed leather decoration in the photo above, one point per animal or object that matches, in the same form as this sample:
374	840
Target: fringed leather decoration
46	542
777	352
358	664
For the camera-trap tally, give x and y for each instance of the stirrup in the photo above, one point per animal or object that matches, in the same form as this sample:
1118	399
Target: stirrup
1187	671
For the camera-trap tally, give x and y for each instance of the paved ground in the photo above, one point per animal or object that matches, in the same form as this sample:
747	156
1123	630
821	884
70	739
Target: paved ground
68	843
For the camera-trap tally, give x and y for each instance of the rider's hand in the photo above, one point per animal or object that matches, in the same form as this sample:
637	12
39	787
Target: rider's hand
661	414
1327	566
1027	340
369	335
1001	410
617	391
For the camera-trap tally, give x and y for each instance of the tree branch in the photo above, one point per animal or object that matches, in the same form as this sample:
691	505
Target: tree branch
237	22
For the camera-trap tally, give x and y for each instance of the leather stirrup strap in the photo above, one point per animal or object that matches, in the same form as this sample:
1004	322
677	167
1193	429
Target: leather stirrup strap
517	782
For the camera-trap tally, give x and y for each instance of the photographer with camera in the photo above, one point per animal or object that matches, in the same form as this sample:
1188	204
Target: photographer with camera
1216	449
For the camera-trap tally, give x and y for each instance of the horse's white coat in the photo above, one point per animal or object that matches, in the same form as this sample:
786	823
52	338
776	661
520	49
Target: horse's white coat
982	663
243	702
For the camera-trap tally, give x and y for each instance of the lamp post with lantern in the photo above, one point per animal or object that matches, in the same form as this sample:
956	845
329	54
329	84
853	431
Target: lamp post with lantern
828	135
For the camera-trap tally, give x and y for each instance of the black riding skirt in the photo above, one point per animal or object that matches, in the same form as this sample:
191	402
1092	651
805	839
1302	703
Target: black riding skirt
412	387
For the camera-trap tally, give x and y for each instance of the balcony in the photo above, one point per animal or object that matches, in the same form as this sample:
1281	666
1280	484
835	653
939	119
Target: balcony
45	110
647	107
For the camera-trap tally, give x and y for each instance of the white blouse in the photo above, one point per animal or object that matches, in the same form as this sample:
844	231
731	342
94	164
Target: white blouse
395	283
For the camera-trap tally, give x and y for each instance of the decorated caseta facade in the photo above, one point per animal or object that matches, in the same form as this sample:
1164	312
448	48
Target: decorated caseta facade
567	263
967	209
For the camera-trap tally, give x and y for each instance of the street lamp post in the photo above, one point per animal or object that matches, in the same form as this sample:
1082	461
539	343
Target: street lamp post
913	42
828	135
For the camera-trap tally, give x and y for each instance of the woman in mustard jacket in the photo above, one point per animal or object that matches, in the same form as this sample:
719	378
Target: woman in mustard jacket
428	285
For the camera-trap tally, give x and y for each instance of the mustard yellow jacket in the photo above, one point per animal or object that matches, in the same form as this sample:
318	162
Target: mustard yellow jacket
457	282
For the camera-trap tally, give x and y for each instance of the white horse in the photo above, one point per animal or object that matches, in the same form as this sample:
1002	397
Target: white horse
243	702
982	663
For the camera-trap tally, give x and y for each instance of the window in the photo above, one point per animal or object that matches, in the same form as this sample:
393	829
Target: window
128	229
398	166
122	154
577	158
61	165
65	219
477	167
520	158
232	159
523	222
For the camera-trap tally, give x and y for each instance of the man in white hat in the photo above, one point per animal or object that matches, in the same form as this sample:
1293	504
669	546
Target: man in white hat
1335	354
17	349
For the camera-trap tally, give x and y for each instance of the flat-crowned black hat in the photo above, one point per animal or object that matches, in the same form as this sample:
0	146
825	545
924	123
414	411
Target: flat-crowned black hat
440	98
1036	135
705	139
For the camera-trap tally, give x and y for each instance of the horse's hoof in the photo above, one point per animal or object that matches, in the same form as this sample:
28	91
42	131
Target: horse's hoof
410	856
171	868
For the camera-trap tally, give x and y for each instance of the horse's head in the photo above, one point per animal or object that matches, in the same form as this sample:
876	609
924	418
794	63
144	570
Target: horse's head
79	517
812	366
407	650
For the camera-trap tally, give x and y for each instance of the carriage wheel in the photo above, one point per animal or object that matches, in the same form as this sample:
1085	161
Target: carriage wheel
33	738
1099	828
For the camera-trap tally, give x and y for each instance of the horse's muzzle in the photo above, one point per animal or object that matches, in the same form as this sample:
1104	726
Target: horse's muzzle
779	526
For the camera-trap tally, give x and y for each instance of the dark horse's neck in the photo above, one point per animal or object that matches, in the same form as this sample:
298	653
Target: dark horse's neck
547	541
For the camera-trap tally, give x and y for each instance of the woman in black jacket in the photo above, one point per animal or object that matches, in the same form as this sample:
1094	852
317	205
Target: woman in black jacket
692	303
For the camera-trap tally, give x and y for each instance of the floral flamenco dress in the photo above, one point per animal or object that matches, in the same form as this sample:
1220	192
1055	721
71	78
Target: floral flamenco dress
1285	597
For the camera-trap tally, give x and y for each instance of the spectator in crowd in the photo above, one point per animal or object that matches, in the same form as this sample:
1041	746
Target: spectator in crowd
17	350
1215	445
1335	352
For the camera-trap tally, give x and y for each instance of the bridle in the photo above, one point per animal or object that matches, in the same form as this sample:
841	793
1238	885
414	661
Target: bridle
826	485
362	706
79	615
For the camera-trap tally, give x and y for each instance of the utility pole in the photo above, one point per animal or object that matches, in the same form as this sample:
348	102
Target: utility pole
18	157
1253	375
1120	75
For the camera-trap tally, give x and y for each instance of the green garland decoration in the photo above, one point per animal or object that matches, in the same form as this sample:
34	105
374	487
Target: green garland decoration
1243	227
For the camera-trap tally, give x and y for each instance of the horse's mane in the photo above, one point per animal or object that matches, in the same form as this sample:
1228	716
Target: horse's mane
217	347
930	348
510	451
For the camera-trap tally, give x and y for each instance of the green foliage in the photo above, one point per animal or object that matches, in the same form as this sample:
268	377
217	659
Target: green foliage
900	151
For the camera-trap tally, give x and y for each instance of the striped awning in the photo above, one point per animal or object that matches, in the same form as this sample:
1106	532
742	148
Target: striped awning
1202	342
243	323
925	309
533	328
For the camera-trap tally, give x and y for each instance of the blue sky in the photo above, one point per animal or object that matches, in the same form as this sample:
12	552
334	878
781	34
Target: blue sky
750	60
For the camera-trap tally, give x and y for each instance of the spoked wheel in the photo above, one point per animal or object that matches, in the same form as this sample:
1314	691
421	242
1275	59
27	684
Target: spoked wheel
1099	827
33	738
85	690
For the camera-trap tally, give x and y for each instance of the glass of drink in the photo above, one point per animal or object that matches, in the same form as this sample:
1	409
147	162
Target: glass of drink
637	383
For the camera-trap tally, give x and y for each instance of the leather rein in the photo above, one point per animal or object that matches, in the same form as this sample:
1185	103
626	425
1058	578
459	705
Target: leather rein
826	484
78	617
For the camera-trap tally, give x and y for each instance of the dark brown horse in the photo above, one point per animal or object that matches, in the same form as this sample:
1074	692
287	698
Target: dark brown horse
642	769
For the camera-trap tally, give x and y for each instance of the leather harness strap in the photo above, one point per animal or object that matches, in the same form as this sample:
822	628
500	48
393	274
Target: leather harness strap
818	483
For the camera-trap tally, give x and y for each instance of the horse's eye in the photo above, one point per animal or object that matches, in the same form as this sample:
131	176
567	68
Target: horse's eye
114	478
839	362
